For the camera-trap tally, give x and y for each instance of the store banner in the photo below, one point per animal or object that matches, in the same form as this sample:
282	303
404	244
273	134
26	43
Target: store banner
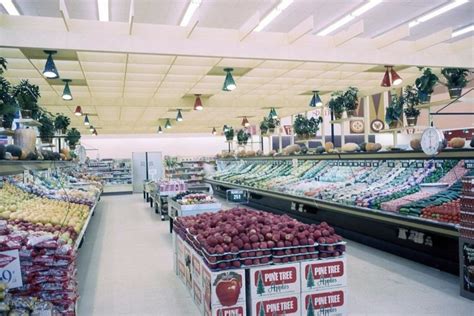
10	271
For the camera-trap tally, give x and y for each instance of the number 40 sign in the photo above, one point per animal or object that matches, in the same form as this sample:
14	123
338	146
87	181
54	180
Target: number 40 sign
10	272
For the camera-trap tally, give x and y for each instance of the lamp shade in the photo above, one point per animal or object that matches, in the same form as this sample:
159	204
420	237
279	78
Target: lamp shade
198	103
86	121
50	70
91	129
273	114
160	131
386	79
229	83
67	96
396	79
179	117
315	100
245	122
168	124
225	128
214	132
78	111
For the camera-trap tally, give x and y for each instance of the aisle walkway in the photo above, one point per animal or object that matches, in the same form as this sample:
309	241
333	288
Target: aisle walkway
125	268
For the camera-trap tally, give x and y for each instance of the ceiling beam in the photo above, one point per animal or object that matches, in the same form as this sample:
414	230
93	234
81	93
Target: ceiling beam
346	35
433	39
131	17
64	13
249	26
41	32
301	30
398	33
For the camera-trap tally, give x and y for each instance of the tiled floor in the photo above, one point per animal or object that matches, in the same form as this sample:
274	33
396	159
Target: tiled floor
125	268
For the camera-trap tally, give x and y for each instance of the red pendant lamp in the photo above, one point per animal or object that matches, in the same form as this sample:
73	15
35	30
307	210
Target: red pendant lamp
78	111
245	122
386	78
198	103
396	79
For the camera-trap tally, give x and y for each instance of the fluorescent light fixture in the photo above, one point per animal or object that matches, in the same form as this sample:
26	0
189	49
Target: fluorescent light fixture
103	6
10	7
351	16
192	7
463	30
436	12
273	14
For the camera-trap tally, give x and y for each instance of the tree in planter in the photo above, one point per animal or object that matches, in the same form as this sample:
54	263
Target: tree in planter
425	84
229	133
72	137
394	112
306	128
456	80
350	100
336	104
61	122
268	125
46	129
27	95
3	65
242	137
8	104
410	95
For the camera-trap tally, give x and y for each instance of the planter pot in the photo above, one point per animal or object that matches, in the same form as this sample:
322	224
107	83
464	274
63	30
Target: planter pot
229	139
338	116
271	130
303	137
393	125
72	147
351	113
62	131
411	120
25	138
26	114
455	92
264	132
424	97
6	122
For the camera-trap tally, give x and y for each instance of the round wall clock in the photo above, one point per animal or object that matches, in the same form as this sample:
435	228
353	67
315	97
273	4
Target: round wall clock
357	126
432	141
377	125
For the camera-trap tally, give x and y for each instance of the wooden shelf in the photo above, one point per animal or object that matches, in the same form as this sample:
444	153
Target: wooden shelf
7	132
436	103
8	167
401	129
29	122
340	121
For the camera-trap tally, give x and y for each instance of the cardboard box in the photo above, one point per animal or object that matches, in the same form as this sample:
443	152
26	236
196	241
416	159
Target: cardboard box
288	305
323	274
266	281
180	245
187	263
198	296
324	303
237	310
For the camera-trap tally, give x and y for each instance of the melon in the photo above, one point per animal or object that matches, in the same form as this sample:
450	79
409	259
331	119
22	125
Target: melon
350	147
457	142
415	144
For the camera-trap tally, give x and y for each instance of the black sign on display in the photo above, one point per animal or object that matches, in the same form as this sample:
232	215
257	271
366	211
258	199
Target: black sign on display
375	164
467	273
405	164
419	164
469	164
362	164
237	196
391	164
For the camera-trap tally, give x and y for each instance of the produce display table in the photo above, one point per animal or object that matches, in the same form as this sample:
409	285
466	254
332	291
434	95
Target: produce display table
159	199
176	209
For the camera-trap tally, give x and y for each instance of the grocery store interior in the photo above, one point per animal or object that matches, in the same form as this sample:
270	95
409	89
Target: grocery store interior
236	157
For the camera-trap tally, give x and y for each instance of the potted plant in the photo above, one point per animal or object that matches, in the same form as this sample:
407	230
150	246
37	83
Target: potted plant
61	123
336	104
350	101
8	104
46	129
425	85
456	80
3	65
229	133
394	112
306	128
268	125
27	95
242	137
410	95
72	137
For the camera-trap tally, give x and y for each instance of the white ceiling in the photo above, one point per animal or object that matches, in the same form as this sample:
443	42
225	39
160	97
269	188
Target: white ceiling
133	93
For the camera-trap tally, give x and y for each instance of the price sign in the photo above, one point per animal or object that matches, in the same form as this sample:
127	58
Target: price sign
237	196
391	164
369	164
405	164
375	164
363	164
438	165
10	272
419	164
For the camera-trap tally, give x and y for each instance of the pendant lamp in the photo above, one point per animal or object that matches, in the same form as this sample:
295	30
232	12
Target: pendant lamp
67	96
78	111
198	103
315	100
229	83
50	70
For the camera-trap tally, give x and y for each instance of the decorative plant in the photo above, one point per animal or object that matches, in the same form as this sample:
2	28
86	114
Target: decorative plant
8	104
46	129
394	111
27	95
425	84
336	103
410	95
243	137
350	100
72	137
411	112
269	124
3	65
304	127
456	80
61	122
229	133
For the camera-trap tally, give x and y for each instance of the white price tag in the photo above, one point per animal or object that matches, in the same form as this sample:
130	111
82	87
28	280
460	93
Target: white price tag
10	272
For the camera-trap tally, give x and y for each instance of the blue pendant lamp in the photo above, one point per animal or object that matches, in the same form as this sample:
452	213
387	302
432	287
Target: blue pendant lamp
168	124
273	114
50	70
160	131
86	121
179	117
229	83
315	100
67	95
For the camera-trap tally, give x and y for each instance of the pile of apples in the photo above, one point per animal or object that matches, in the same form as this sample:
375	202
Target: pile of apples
242	237
15	204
